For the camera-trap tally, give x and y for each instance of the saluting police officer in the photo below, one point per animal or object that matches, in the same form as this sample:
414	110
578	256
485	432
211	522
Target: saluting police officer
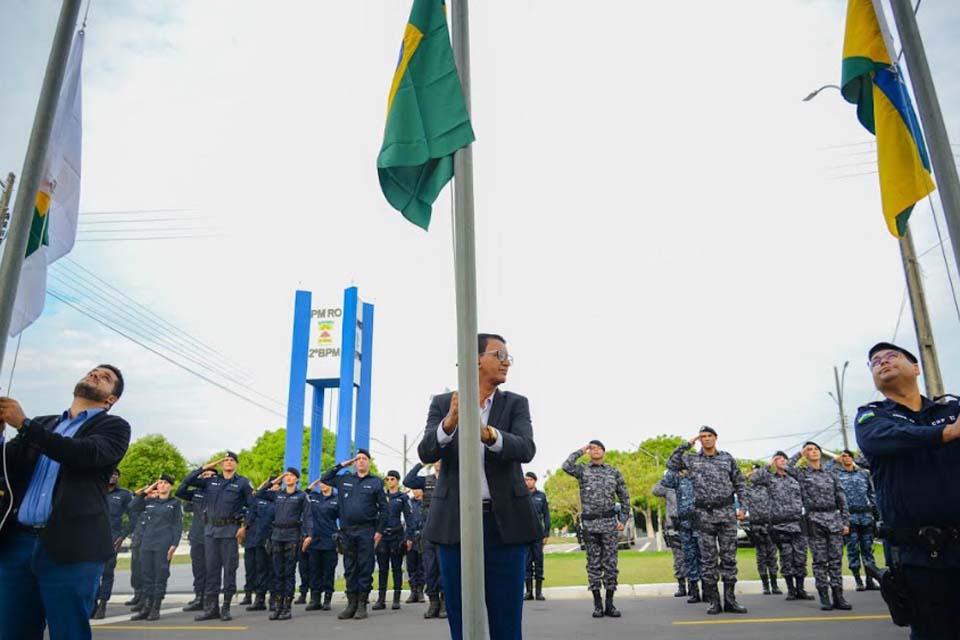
363	517
428	551
118	502
325	511
292	523
716	479
535	550
193	496
225	502
911	443
162	527
393	544
861	502
600	487
258	570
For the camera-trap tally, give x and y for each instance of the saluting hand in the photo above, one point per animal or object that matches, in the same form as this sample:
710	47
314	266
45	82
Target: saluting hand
452	418
694	440
621	526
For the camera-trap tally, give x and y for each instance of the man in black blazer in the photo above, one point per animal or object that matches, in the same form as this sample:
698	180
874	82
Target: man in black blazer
509	521
55	535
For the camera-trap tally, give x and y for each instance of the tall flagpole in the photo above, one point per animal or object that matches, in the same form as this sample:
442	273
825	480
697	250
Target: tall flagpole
22	218
465	268
934	131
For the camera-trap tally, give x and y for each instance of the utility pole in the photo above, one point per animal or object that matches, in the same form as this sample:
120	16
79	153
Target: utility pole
5	205
30	176
404	455
931	117
838	380
921	317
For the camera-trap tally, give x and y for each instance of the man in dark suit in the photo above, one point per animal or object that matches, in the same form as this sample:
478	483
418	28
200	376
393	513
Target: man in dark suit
509	521
56	537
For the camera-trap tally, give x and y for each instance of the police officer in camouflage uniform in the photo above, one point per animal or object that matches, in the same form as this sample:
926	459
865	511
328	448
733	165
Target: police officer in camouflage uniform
759	511
681	487
828	521
671	536
858	489
601	486
716	479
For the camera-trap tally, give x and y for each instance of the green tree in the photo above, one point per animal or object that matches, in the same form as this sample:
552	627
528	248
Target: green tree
147	458
563	495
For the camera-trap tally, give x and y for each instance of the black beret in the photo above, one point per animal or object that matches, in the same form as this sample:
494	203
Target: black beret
599	444
780	453
757	465
168	478
393	473
231	454
531	474
117	471
706	429
883	346
848	452
364	452
808	442
294	471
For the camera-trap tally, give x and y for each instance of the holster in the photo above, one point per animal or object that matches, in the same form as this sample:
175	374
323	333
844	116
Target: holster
344	548
893	589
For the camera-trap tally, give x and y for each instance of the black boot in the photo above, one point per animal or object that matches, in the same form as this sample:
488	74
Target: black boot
302	598
711	594
791	588
381	602
443	607
273	602
838	601
825	603
100	612
135	600
774	587
871	584
682	588
143	610
396	599
597	604
362	599
413	595
538	591
420	594
259	603
154	614
246	599
528	594
609	610
858	580
211	610
351	609
277	610
225	609
314	601
766	584
730	604
694	590
138	607
801	592
285	613
433	608
326	601
196	604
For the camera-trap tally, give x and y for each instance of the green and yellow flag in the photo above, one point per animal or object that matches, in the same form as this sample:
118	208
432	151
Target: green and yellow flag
427	119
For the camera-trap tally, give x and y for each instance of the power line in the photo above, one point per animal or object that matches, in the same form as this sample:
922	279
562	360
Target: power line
120	212
140	220
219	235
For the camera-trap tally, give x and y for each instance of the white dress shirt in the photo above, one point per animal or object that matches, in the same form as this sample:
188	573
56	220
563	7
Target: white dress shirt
443	439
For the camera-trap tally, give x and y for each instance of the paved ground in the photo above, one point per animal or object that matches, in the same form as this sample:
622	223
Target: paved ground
660	617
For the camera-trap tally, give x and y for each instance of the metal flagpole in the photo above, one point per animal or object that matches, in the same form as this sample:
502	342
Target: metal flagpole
935	132
465	268
20	222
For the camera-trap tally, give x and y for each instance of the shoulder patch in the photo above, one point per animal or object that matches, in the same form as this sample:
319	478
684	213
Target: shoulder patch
865	415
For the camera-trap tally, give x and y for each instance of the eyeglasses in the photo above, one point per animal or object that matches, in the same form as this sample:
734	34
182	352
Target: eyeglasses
501	354
879	360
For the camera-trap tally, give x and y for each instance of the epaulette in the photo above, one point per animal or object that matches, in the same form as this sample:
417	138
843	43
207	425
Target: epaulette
946	398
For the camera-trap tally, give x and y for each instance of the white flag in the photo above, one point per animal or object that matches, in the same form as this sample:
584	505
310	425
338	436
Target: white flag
54	227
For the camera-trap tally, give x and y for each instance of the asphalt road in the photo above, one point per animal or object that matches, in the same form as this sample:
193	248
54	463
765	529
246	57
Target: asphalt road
659	617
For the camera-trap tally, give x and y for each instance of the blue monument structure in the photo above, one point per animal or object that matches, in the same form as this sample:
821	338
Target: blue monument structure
333	354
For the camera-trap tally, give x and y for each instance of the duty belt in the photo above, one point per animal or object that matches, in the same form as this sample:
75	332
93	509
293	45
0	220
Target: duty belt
931	539
221	522
286	525
598	516
821	509
861	509
722	502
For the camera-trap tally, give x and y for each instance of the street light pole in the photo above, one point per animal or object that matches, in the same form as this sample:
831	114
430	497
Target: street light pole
838	379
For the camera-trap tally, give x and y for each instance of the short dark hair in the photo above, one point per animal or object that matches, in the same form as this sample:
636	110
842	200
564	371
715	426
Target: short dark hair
118	386
483	338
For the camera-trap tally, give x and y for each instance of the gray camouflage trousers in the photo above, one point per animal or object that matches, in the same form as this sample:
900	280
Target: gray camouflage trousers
676	548
792	547
766	552
827	549
601	559
718	551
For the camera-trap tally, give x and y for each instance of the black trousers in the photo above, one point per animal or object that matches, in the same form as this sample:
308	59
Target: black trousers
106	578
136	581
323	568
414	567
935	603
156	572
222	560
535	560
390	558
256	565
431	568
358	558
284	559
198	564
303	568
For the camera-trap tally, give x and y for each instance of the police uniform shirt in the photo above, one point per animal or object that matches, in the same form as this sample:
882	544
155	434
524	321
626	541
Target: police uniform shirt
397	503
416	520
325	511
162	524
291	517
225	502
118	502
539	499
363	502
914	472
259	523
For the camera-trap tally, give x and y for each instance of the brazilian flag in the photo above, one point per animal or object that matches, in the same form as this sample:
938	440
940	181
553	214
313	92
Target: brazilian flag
427	119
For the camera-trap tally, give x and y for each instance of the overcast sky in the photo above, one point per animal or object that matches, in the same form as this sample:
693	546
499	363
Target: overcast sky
666	235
